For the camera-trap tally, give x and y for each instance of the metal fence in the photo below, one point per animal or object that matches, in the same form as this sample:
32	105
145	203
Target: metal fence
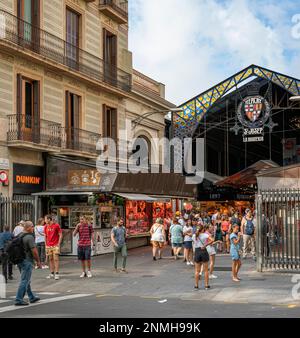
13	210
278	235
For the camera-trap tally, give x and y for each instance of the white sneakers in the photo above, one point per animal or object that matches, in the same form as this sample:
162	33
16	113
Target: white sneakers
88	275
56	276
52	275
213	276
188	263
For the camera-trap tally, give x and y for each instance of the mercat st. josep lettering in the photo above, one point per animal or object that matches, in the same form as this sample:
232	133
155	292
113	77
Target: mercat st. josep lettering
116	328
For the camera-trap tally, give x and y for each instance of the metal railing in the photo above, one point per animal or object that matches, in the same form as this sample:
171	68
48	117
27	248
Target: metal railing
80	140
278	233
25	128
119	6
24	34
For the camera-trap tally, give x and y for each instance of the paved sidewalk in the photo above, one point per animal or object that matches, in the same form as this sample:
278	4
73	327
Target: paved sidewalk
166	279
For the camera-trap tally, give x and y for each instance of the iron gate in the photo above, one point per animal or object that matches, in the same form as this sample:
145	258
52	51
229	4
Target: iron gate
278	235
13	210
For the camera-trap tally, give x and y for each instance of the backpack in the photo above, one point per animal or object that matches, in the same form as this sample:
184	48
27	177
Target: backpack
249	227
15	249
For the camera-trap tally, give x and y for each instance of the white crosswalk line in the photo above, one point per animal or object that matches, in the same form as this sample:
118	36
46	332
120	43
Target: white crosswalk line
43	301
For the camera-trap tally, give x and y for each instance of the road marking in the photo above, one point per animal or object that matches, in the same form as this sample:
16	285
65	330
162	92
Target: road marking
48	293
108	295
43	301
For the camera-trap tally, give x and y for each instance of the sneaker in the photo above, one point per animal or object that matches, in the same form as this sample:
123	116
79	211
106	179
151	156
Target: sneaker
207	287
213	276
50	276
45	267
154	258
10	277
192	263
82	275
188	263
56	276
36	299
36	267
21	304
123	270
196	288
89	274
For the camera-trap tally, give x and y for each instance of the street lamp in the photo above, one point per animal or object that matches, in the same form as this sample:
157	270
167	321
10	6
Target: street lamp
295	98
139	119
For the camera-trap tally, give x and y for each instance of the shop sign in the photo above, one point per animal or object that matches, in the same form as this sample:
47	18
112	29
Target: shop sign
3	177
83	178
27	179
4	163
103	242
253	113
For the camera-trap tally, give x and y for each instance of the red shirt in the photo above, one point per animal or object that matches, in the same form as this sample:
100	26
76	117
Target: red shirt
52	234
225	226
85	234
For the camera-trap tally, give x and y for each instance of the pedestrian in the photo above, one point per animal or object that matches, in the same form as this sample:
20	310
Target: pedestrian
25	267
85	242
19	228
167	225
53	239
176	232
225	233
235	238
211	251
39	231
7	268
216	215
158	238
188	242
201	241
218	233
235	219
248	231
118	237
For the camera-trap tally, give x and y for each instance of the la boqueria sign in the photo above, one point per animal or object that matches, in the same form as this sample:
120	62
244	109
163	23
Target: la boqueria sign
27	179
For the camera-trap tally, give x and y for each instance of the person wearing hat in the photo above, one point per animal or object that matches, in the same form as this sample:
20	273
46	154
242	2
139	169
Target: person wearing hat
158	237
19	228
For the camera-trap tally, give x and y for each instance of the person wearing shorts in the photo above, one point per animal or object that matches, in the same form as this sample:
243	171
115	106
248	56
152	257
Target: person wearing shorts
84	250
176	233
209	229
53	238
158	238
188	242
235	238
201	241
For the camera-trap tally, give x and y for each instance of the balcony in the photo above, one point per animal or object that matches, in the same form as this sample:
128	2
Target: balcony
117	10
24	132
23	34
79	140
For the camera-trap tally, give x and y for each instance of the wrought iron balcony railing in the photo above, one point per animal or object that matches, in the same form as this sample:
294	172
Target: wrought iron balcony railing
26	129
25	35
119	6
80	140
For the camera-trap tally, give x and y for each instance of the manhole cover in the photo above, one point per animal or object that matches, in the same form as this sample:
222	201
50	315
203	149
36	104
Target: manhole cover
223	268
148	276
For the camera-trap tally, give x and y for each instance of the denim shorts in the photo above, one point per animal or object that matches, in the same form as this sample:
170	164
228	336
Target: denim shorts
84	253
177	245
188	245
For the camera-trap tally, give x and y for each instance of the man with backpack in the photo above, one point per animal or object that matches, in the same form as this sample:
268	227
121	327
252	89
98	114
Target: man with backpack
118	237
5	238
248	231
86	238
23	251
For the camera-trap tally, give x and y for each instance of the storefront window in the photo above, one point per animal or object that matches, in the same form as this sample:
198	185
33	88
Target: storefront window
138	217
162	210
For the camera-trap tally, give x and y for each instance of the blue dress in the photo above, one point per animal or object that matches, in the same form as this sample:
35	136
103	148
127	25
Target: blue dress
234	248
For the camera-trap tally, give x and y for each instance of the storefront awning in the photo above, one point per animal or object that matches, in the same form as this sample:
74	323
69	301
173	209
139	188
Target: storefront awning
137	197
61	193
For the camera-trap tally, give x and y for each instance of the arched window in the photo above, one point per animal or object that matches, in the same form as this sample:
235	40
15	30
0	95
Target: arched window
142	145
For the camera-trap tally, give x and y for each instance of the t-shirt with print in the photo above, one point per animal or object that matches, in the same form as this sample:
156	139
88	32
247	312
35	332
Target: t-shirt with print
29	244
176	233
187	238
119	234
85	234
200	241
52	234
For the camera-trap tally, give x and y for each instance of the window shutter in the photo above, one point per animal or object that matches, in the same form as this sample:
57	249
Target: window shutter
114	124
36	25
104	45
104	126
19	120
114	50
36	111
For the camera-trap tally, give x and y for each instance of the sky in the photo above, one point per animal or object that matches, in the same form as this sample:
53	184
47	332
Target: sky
191	45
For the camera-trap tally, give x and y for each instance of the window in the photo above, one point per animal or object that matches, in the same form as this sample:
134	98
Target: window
28	108
110	122
72	37
29	23
110	57
73	112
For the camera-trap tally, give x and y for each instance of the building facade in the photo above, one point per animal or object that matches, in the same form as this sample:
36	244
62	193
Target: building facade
66	80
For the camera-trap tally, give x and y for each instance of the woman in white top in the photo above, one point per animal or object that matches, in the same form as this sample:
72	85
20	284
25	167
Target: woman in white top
201	241
188	242
158	237
39	231
19	228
